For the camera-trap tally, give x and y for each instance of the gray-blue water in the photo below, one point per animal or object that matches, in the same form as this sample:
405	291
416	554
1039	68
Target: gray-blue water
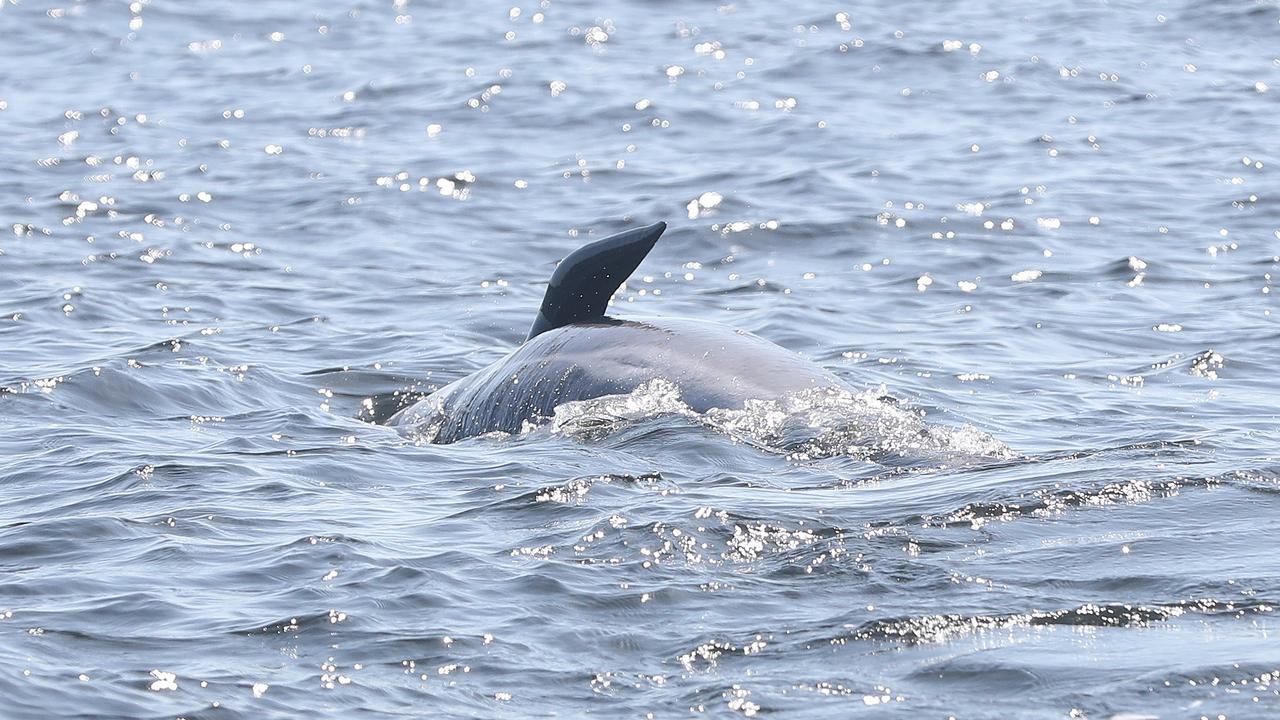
1051	225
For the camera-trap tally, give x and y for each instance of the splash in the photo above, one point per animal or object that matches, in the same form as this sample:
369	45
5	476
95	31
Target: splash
423	426
814	424
597	417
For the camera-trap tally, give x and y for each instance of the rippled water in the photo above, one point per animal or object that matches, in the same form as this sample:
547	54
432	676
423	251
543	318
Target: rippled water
227	226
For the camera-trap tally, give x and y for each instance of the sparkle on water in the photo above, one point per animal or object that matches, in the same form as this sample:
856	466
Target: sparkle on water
1038	242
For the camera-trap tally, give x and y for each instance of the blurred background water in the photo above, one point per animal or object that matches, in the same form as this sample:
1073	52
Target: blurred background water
228	225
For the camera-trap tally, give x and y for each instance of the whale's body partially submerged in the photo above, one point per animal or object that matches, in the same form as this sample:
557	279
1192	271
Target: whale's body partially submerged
713	366
574	352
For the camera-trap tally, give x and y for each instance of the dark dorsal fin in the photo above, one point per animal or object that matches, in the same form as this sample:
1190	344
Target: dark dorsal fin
581	286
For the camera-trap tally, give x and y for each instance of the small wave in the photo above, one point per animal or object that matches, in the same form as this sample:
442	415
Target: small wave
1048	502
933	629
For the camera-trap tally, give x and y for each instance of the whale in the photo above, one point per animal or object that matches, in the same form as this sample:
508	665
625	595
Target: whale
575	352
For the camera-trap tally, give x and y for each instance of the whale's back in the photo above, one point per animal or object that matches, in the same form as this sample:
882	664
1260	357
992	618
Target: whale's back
713	366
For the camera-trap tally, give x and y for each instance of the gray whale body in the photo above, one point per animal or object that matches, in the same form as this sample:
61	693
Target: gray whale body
714	366
575	352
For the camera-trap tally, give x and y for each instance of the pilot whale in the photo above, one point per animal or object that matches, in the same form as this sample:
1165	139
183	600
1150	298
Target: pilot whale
576	352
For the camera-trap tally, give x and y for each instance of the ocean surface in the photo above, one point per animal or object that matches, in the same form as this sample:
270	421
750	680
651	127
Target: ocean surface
1039	241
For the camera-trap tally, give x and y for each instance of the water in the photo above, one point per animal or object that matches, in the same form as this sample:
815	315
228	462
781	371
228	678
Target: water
1046	226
